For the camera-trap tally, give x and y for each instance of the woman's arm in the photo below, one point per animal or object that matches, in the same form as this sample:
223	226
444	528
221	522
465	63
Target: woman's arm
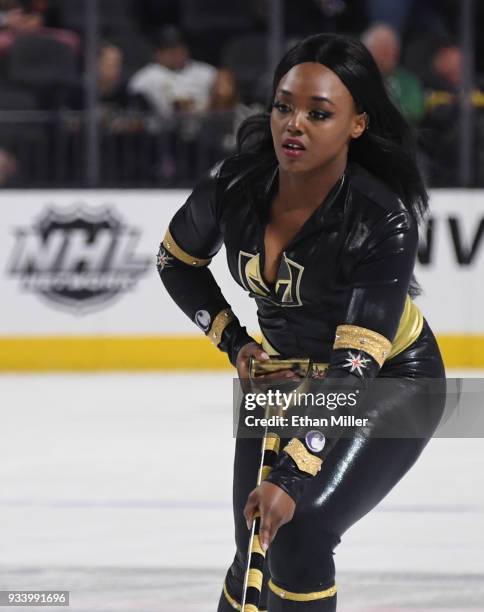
192	239
363	340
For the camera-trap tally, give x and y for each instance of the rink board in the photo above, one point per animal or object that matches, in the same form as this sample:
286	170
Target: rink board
80	289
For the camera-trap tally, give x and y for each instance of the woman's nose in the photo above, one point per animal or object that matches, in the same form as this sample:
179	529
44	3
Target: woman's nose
295	122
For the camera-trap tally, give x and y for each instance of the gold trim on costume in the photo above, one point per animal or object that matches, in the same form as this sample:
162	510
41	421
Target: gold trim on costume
256	547
272	442
266	469
236	606
170	245
376	345
355	337
409	328
302	457
255	578
220	322
302	596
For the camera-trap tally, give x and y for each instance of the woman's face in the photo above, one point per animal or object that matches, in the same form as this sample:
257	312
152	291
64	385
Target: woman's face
313	119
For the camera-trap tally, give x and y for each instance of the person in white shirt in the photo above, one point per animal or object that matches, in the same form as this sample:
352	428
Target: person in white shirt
174	81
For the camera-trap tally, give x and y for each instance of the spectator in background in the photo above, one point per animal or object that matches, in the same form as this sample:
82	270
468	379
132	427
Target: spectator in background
8	10
225	97
113	91
224	94
175	81
384	44
19	20
442	77
8	169
226	112
112	86
445	67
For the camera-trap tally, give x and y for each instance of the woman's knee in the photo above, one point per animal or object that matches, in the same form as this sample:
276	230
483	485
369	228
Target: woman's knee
301	561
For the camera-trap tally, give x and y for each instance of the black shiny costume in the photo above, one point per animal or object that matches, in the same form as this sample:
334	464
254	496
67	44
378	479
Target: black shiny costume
341	297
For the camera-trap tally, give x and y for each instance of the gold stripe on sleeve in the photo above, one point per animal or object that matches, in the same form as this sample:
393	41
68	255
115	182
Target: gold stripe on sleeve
301	596
170	245
220	322
302	457
355	337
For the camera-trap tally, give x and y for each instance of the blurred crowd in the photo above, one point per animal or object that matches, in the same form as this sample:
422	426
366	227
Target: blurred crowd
176	77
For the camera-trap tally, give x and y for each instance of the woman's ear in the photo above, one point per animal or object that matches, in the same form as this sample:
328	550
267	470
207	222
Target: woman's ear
361	122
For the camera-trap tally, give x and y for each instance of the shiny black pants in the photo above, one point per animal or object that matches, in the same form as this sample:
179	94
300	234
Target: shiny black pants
356	476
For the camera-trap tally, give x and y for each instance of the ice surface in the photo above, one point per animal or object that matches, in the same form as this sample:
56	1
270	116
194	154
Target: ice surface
117	487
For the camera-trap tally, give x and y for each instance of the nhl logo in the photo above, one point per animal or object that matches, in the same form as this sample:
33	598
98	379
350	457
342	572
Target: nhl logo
79	260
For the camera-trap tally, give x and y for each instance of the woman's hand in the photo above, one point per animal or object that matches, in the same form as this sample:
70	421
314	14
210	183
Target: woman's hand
253	349
276	508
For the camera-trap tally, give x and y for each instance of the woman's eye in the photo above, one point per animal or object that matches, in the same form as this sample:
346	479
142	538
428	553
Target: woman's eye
319	115
282	108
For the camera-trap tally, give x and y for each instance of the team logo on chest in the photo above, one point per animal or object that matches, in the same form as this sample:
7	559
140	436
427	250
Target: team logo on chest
287	289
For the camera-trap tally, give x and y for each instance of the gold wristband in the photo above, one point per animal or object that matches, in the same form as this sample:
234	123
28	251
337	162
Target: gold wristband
220	322
302	457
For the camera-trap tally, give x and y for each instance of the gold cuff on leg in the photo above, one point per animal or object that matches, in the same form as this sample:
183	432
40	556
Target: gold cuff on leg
355	337
302	457
170	245
301	596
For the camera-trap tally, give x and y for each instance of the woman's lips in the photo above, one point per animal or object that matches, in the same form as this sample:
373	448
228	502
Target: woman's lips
292	153
292	148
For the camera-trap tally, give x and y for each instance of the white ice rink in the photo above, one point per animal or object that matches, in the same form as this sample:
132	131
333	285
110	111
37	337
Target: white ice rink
117	487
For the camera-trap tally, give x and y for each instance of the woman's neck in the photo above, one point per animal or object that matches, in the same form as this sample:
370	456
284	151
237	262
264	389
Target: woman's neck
307	190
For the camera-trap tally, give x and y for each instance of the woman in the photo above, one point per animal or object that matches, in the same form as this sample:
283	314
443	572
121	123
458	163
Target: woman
318	213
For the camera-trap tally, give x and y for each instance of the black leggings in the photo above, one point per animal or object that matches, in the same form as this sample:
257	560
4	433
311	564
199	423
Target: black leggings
356	476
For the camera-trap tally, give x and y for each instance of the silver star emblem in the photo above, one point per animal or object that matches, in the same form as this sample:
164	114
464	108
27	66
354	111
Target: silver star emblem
356	362
162	259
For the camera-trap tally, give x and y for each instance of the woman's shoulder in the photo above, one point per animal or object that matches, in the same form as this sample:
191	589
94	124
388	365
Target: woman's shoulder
224	183
237	171
374	191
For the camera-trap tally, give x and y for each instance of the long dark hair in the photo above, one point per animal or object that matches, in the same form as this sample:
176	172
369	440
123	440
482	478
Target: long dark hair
387	148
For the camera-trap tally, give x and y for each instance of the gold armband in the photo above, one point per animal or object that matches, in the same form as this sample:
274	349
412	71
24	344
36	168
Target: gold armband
220	322
355	337
174	249
302	457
